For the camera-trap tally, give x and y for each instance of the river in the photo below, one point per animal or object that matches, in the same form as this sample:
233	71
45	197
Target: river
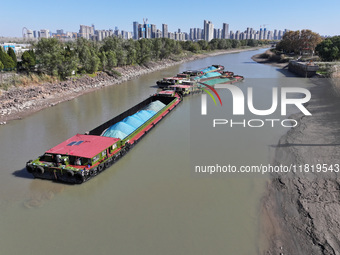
151	201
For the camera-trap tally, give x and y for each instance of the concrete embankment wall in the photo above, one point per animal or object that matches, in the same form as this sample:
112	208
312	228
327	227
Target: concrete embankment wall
303	69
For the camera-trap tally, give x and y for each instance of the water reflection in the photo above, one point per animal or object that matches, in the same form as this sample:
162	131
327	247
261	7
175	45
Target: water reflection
149	202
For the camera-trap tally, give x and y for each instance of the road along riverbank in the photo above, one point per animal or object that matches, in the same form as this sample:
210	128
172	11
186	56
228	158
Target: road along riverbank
19	102
300	208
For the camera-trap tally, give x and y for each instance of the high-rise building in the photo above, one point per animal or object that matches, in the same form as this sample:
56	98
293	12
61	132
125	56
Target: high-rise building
208	30
200	34
153	31
30	34
237	35
217	33
247	33
225	31
135	30
165	31
147	29
280	35
158	33
86	31
191	34
265	34
44	33
141	31
261	35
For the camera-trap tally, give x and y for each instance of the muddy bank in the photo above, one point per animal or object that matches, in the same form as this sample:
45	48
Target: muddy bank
269	61
19	102
301	209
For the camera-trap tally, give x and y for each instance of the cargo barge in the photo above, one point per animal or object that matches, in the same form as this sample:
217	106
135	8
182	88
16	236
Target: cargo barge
83	156
188	75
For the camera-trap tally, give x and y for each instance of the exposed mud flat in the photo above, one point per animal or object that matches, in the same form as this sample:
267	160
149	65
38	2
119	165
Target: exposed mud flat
301	209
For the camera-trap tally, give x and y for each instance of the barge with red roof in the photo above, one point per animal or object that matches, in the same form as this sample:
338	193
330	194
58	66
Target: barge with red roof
84	156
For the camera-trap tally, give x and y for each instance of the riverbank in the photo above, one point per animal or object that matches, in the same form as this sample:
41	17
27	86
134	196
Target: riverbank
18	102
260	59
300	210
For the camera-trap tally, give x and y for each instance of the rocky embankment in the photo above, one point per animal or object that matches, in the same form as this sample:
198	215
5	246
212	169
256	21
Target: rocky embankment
21	101
301	210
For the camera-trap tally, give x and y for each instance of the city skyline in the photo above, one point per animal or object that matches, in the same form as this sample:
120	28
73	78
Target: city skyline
146	30
67	15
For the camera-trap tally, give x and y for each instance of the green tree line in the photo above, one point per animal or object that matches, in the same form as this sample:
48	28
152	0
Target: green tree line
8	60
329	49
56	58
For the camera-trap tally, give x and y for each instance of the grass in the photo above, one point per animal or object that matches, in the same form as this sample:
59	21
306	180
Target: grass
115	72
92	75
24	80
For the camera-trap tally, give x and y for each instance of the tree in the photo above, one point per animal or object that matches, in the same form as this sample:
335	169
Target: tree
69	63
309	40
111	59
121	56
235	44
203	44
94	63
328	49
144	55
49	54
11	53
156	48
28	61
6	60
103	60
87	54
131	52
296	41
253	43
1	65
166	49
213	44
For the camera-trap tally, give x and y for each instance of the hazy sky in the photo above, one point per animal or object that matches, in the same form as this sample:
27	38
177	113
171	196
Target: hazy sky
320	16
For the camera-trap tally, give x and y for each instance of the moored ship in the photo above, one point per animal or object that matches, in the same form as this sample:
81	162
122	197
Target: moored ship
188	75
84	156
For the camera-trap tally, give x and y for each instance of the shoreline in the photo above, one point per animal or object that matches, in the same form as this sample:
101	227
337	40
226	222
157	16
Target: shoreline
257	58
19	102
300	210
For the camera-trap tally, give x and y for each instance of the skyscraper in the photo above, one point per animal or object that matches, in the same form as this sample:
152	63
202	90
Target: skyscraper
192	35
135	30
208	30
147	28
164	30
86	31
141	31
225	31
44	33
153	31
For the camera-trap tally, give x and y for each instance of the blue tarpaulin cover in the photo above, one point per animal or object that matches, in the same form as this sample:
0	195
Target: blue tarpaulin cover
208	69
208	75
128	125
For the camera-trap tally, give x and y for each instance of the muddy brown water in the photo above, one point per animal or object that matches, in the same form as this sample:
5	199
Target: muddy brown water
151	201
